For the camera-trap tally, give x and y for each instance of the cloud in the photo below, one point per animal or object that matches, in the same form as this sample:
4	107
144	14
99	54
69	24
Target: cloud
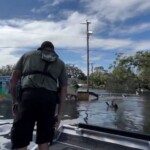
132	29
67	34
57	2
110	43
141	45
54	2
48	5
44	8
44	1
93	58
116	10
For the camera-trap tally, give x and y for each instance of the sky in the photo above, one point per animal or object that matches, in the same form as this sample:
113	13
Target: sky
118	27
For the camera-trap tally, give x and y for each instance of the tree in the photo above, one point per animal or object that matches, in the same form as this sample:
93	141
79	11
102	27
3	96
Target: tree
99	69
142	63
75	72
123	77
6	70
99	76
130	72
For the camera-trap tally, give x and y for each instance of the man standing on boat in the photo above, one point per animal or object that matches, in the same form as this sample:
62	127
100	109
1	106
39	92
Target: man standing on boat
40	72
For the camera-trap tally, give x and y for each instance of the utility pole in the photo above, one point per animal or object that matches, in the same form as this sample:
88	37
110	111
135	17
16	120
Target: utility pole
87	24
88	33
87	38
92	73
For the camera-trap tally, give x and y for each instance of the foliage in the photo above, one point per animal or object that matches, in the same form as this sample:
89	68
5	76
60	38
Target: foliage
130	72
142	62
127	73
99	76
72	71
6	70
75	72
75	84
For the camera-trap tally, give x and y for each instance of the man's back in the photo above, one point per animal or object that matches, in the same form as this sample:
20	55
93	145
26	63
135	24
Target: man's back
40	71
34	74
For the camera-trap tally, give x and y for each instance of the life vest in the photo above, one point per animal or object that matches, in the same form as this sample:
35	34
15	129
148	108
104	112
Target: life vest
38	63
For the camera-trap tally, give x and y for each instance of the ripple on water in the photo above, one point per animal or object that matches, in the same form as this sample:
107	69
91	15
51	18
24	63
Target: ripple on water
5	143
6	121
5	129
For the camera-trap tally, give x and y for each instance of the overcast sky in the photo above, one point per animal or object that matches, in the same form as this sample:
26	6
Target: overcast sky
118	27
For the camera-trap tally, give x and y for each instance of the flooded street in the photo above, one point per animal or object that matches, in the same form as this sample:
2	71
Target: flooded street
133	114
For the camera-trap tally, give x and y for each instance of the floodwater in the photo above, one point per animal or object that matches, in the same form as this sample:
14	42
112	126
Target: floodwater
133	114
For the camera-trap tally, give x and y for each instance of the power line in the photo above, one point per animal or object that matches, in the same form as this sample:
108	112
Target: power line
36	47
36	33
29	47
18	47
62	49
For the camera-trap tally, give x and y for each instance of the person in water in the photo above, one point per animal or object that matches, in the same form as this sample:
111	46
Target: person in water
39	72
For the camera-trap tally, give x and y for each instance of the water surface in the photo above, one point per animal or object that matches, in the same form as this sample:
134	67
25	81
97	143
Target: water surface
133	114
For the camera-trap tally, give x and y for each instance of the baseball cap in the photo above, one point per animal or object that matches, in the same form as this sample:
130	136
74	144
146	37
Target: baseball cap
46	44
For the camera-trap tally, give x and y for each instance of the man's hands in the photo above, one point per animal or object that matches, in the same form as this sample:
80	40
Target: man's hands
14	109
62	98
57	121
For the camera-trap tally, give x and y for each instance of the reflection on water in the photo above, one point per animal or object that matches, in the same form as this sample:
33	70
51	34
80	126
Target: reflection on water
5	109
70	111
133	114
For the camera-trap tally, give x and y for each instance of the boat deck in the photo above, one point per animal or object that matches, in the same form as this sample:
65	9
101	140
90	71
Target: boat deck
71	142
88	137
